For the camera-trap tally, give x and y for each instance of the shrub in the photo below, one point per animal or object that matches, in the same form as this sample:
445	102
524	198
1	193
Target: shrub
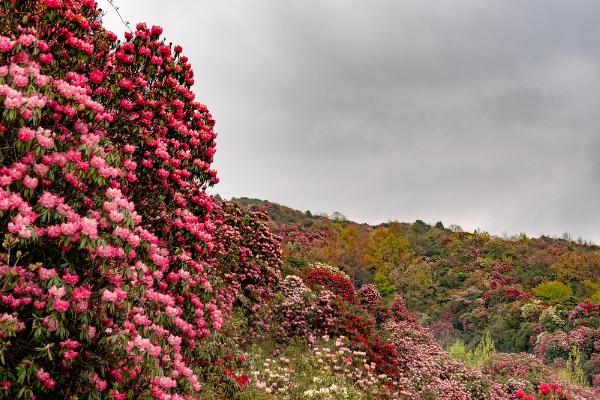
552	345
573	371
505	367
386	288
552	291
112	271
338	283
481	355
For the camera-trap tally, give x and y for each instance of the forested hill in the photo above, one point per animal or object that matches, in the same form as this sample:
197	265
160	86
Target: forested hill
530	294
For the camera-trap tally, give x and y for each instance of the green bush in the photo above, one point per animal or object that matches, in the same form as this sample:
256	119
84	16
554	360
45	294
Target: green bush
552	291
478	357
386	288
573	371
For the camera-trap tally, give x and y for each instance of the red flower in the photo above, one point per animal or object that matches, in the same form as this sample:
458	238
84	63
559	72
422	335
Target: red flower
126	84
156	30
97	77
126	104
519	394
242	380
337	283
53	3
46	59
544	388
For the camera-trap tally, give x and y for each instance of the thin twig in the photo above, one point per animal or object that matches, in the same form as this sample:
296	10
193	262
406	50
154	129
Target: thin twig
126	23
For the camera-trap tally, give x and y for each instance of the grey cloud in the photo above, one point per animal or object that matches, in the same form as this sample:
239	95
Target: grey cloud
477	113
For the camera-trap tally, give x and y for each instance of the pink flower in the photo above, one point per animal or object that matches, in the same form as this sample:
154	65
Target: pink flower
45	141
69	344
70	355
80	294
126	104
29	182
25	134
99	383
46	274
53	3
89	227
97	77
5	44
45	378
50	323
71	279
108	296
118	395
43	46
60	305
125	84
115	216
48	200
26	40
20	80
156	30
40	169
46	59
56	292
544	388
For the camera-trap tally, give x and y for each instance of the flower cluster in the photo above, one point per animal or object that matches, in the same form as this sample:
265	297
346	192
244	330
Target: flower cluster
545	391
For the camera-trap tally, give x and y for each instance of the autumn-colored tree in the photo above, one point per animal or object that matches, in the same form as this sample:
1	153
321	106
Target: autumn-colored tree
414	282
388	250
578	266
346	248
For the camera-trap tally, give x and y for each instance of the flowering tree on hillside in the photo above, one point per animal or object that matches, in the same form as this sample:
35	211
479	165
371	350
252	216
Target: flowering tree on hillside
109	271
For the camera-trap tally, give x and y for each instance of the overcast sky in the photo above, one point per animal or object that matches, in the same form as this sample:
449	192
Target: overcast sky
480	113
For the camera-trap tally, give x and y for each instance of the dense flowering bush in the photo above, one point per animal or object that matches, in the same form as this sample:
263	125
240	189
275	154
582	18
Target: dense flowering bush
300	312
443	332
331	268
584	310
505	367
332	279
429	372
249	255
552	345
114	264
119	272
551	319
371	300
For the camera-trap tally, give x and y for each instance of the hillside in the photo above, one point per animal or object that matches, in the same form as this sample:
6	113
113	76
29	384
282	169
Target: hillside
122	278
534	295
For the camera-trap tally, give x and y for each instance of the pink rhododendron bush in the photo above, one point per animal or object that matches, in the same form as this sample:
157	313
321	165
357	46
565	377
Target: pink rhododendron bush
115	262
